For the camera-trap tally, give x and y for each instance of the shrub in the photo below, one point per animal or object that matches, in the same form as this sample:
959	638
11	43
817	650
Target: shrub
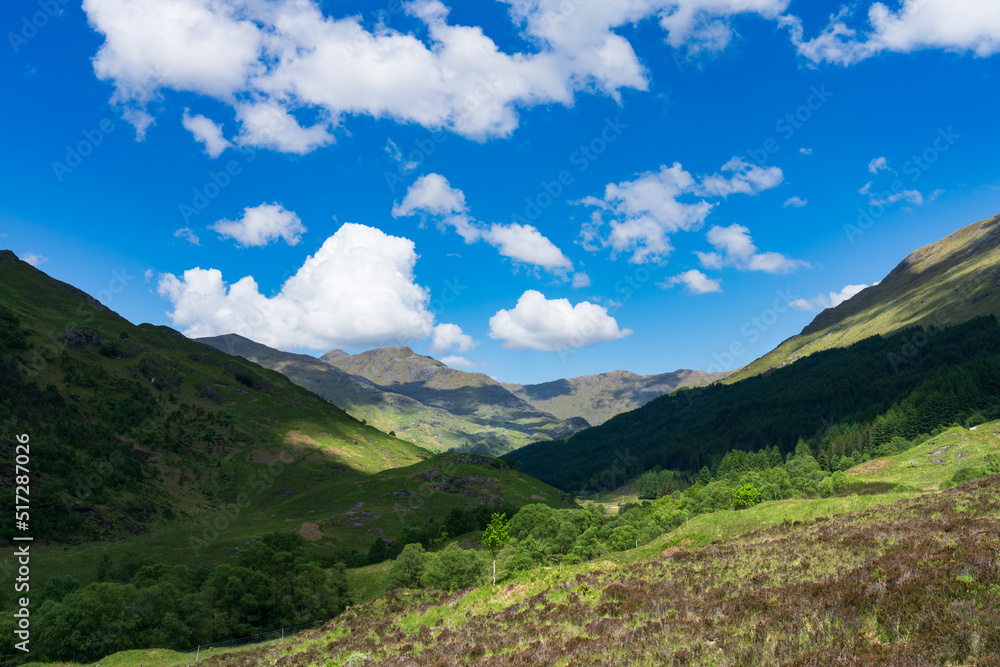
408	568
746	496
452	568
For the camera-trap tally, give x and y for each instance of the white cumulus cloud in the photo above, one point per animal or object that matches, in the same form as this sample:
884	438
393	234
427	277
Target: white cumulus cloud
261	225
797	202
457	362
695	281
960	26
450	336
537	323
581	279
878	164
280	61
188	235
644	212
358	290
431	195
734	247
207	132
34	259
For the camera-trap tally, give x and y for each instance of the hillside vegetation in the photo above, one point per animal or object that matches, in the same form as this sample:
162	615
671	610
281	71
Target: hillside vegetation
854	399
909	577
944	283
142	440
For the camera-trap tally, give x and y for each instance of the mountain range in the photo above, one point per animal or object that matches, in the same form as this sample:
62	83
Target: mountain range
438	407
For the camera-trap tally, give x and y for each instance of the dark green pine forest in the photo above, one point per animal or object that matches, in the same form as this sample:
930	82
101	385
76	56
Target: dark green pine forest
840	401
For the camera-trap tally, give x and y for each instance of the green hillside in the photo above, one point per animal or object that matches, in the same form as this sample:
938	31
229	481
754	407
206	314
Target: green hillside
908	577
134	426
844	400
145	441
947	282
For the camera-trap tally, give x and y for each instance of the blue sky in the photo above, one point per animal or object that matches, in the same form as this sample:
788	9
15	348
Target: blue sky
532	189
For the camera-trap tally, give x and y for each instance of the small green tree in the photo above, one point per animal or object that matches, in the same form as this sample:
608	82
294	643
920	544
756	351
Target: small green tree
408	567
452	568
746	496
495	538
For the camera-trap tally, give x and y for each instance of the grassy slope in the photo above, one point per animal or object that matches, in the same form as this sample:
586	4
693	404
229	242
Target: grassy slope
909	577
947	282
299	457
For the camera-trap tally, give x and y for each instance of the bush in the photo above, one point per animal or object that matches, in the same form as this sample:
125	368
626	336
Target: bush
452	568
408	568
746	496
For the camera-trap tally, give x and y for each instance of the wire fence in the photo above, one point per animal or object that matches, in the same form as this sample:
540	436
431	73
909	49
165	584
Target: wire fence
283	633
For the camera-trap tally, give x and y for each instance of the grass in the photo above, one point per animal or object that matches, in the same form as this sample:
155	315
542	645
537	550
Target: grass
851	585
902	578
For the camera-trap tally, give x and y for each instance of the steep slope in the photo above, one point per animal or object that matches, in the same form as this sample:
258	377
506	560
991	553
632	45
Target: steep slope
947	282
598	398
858	398
853	380
134	426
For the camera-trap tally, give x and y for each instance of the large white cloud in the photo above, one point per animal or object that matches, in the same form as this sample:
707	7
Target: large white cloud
279	58
358	290
645	211
261	225
537	323
432	195
952	25
734	247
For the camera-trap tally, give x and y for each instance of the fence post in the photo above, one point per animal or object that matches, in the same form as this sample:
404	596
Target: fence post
197	655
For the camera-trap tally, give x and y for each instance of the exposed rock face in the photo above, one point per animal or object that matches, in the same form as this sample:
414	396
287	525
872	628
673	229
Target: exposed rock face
78	339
